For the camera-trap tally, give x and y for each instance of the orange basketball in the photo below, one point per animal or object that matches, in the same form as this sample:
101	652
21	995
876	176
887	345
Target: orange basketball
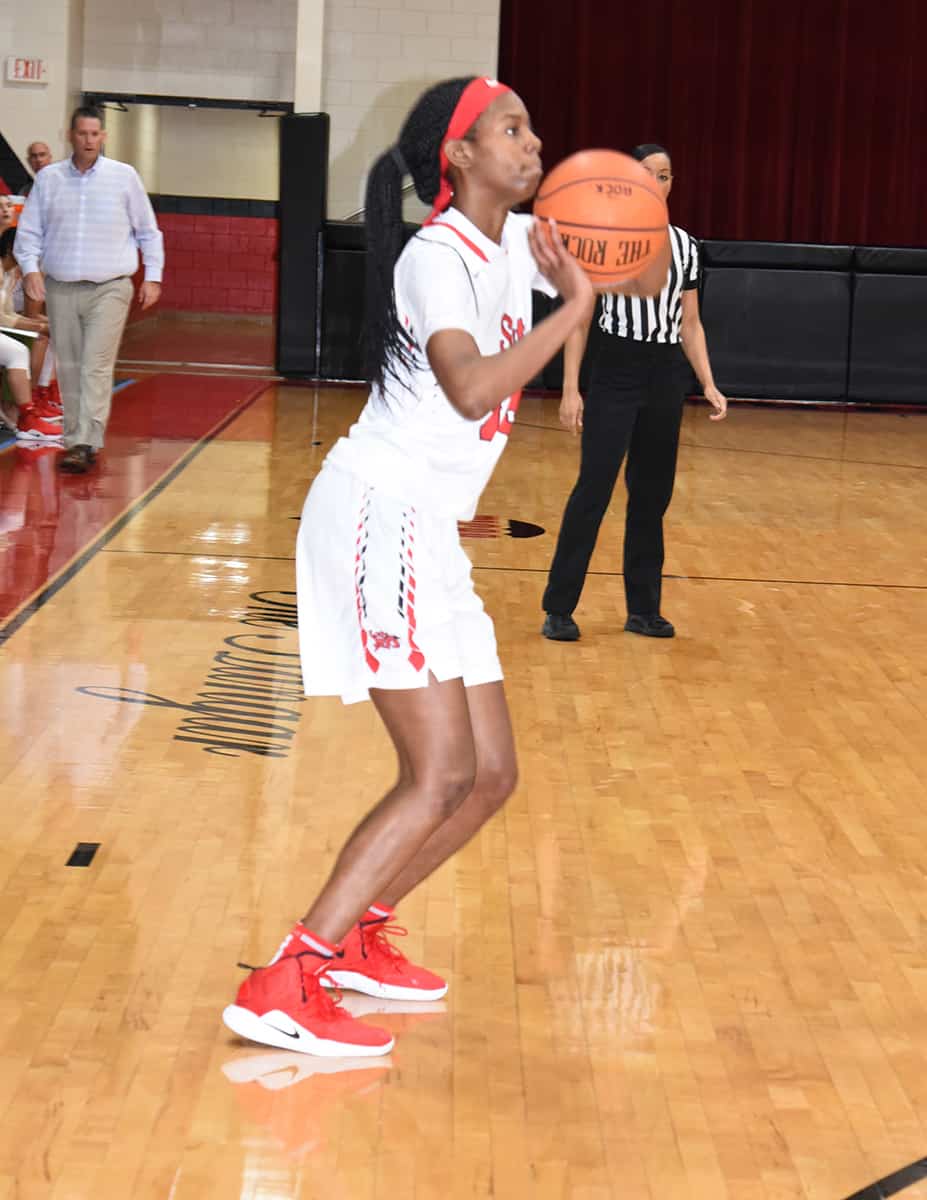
609	212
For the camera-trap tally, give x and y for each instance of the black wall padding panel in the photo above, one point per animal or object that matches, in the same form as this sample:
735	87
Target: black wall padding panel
343	308
783	255
303	192
891	260
888	363
783	321
343	291
777	333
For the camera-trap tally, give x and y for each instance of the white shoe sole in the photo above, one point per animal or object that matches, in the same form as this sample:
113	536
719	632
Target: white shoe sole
359	1005
354	982
44	439
275	1028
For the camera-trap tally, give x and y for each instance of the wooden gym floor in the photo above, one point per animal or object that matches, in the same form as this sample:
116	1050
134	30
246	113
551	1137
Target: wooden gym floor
688	960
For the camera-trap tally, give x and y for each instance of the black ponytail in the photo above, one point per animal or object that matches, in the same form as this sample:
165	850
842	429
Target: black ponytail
417	153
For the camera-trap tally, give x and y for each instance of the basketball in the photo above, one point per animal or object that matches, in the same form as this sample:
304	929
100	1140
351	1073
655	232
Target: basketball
609	212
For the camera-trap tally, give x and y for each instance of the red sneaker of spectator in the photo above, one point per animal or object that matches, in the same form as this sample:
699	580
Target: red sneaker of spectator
42	403
33	426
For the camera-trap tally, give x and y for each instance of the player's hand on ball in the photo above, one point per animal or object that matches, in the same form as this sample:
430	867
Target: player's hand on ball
558	266
718	402
571	411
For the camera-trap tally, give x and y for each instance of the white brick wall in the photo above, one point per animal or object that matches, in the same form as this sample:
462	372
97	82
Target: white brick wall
48	29
198	152
226	49
379	55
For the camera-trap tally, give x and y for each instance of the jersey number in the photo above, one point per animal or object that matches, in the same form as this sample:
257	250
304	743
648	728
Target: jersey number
501	419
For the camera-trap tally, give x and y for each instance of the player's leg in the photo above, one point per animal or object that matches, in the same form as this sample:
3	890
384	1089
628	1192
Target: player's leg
284	1004
372	963
430	729
495	780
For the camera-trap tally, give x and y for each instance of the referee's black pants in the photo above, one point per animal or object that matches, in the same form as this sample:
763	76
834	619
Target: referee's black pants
633	406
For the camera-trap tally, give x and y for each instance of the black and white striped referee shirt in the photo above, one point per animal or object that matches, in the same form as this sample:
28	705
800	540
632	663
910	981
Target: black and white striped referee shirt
657	318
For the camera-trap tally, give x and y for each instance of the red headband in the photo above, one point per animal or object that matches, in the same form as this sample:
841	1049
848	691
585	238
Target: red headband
476	98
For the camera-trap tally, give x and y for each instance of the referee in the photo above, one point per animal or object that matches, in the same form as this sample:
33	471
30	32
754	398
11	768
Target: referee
634	407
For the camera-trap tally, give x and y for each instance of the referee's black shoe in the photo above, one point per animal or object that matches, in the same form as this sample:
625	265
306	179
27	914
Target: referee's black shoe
560	627
649	625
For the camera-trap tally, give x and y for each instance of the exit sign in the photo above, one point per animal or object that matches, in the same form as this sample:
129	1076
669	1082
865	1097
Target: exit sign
26	70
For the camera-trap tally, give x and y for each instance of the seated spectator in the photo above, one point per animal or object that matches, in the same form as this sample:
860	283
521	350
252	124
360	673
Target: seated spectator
43	359
31	412
12	303
38	155
16	397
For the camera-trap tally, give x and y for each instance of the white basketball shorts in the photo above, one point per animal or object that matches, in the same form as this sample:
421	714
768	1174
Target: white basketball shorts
385	595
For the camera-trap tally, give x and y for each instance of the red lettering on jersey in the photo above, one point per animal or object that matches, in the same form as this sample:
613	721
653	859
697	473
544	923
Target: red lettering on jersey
501	419
384	641
511	331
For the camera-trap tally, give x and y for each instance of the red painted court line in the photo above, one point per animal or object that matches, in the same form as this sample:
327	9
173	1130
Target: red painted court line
47	518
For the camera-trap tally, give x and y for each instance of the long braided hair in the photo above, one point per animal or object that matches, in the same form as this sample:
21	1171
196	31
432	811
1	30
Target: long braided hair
417	154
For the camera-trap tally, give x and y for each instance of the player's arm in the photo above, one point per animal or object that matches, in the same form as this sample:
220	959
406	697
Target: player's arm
476	384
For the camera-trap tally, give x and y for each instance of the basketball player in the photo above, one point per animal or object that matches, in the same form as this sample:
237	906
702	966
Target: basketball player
634	407
387	609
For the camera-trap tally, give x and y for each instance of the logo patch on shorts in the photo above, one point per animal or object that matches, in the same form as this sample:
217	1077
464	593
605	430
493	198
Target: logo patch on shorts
384	641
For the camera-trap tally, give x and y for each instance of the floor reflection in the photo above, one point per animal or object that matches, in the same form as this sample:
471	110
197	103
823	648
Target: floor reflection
289	1094
46	518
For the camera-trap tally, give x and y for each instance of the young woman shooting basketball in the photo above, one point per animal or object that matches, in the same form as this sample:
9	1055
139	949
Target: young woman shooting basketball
387	608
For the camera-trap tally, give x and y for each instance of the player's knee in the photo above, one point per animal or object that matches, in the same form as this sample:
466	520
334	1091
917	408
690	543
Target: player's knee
495	782
449	786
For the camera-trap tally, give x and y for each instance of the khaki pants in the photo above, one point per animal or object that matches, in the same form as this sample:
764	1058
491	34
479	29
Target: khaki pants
86	322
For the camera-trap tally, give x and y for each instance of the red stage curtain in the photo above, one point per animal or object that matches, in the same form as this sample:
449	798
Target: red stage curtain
788	120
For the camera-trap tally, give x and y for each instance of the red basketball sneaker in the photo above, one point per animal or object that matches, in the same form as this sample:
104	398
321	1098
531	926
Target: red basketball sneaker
54	397
372	964
284	1005
33	426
